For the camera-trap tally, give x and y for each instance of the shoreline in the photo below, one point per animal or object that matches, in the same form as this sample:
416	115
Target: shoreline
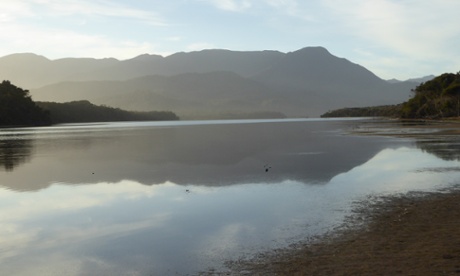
411	234
417	233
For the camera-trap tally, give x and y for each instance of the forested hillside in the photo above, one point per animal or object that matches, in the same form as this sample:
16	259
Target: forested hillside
18	109
393	111
84	111
435	99
438	98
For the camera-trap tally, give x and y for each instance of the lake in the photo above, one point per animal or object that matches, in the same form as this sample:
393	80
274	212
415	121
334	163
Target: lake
176	198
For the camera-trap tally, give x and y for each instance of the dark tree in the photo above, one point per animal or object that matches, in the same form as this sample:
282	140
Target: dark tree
18	109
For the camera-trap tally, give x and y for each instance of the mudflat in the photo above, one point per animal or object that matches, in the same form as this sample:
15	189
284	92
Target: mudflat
413	234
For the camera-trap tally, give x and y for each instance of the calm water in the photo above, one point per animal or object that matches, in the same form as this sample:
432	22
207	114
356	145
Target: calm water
180	197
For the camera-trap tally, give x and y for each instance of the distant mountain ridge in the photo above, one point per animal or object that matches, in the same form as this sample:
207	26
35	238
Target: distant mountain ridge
24	68
307	82
415	80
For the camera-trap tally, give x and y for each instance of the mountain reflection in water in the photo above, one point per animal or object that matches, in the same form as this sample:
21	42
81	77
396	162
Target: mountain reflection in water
181	197
208	154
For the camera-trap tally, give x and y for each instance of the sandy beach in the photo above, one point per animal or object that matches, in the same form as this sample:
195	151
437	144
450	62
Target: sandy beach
415	234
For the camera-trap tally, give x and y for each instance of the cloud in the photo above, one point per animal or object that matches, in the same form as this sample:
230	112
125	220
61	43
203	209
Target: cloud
290	7
55	42
398	36
61	199
14	9
174	38
97	8
231	5
40	26
415	29
17	234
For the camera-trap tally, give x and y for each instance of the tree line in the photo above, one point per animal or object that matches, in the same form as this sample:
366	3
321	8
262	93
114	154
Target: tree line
393	111
18	109
84	111
435	99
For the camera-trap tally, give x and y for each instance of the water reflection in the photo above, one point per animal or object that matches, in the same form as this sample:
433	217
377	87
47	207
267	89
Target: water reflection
398	171
113	200
440	138
14	151
126	228
447	148
211	155
443	140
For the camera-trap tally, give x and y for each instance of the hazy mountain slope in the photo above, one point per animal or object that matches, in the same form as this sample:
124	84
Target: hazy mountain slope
25	70
206	93
239	62
242	63
307	82
417	81
30	70
316	68
337	82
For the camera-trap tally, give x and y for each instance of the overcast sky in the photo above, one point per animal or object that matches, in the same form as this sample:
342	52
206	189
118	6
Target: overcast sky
392	38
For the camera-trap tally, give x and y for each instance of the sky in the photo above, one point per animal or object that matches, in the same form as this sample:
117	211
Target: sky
393	38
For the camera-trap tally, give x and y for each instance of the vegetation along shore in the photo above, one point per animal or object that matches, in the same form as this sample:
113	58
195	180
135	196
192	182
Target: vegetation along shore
438	98
18	109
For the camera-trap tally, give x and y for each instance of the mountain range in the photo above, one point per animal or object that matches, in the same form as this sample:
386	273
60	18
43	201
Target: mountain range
209	83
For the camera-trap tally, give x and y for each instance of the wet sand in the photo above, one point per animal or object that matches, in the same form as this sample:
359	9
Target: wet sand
414	234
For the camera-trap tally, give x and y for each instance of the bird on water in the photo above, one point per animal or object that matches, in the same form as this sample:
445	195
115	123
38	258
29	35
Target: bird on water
267	167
